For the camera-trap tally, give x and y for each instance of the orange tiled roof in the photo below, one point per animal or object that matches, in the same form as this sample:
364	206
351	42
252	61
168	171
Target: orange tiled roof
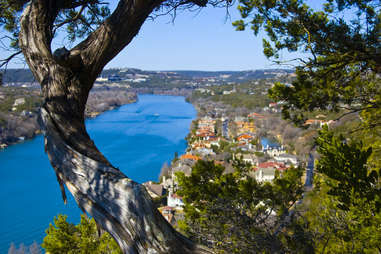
244	136
190	157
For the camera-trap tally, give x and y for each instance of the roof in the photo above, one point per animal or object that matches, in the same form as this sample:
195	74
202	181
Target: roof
244	136
167	208
157	189
189	157
271	164
255	115
313	121
174	195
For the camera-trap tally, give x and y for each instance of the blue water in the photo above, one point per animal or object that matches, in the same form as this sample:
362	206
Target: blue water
138	138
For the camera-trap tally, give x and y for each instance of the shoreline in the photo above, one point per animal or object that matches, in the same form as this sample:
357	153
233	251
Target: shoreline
95	114
91	112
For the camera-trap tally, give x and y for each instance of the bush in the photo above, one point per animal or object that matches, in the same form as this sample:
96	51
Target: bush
64	237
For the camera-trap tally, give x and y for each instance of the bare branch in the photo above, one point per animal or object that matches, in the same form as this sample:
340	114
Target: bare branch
8	59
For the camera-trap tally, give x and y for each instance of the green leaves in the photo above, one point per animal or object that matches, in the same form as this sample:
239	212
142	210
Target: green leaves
346	164
229	212
343	53
67	238
81	21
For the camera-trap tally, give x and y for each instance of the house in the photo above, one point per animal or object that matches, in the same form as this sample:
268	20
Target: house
114	78
204	151
206	123
154	190
287	158
214	141
248	158
318	122
204	134
174	200
271	148
169	214
245	126
19	101
275	151
266	171
189	157
245	138
255	116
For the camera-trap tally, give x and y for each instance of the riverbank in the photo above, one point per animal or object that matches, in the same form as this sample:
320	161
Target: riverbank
19	116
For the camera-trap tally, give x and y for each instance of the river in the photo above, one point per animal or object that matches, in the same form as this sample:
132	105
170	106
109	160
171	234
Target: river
137	138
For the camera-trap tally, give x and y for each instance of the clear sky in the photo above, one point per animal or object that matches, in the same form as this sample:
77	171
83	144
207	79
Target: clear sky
194	41
203	40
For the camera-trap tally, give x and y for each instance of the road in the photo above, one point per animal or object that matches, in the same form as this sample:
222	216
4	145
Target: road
310	171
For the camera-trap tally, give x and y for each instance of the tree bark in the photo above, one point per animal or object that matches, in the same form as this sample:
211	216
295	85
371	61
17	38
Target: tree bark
121	206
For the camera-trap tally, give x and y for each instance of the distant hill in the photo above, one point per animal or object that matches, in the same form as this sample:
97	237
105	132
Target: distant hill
128	74
17	75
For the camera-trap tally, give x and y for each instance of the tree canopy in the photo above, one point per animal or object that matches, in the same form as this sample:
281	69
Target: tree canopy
340	72
233	213
342	41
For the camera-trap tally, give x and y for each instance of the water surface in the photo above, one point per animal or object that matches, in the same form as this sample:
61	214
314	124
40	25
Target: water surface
137	138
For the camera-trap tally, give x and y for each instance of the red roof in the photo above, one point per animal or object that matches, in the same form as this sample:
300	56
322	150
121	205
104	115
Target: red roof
168	208
255	115
271	164
174	195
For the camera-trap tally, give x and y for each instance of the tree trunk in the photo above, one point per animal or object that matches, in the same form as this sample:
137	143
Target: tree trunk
121	206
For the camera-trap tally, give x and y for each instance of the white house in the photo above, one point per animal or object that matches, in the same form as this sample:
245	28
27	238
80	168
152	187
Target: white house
287	158
174	200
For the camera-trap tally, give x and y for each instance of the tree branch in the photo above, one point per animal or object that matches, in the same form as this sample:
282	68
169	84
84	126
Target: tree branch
71	20
115	33
5	61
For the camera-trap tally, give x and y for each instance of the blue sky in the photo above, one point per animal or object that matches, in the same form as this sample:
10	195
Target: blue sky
194	41
203	40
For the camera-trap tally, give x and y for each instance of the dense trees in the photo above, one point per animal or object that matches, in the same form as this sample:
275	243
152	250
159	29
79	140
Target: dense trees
340	73
64	237
343	45
233	213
